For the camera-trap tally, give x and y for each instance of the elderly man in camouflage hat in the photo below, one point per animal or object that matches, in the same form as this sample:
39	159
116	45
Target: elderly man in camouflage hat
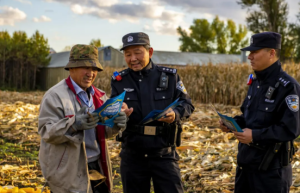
72	144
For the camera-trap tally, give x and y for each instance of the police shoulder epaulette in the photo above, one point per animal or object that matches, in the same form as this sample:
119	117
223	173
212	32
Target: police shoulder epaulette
124	72
284	81
121	73
167	69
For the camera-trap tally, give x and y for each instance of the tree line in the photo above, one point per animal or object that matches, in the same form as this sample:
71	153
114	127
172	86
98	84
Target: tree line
20	57
221	37
215	37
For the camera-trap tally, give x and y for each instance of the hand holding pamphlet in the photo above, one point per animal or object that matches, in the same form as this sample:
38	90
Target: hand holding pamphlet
110	110
157	114
229	122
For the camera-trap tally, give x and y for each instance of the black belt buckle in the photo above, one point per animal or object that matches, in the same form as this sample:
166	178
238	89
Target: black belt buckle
149	130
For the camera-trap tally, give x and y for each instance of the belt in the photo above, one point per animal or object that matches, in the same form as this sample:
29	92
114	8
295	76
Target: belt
152	153
148	130
257	146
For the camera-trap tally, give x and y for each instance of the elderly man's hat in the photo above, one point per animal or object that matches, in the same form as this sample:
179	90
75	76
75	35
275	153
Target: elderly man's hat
264	40
133	39
84	56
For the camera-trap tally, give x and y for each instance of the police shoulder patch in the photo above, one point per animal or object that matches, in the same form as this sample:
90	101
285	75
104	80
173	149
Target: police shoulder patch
181	87
292	102
167	69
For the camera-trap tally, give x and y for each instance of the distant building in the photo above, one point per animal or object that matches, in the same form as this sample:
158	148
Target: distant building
52	51
192	58
109	56
55	72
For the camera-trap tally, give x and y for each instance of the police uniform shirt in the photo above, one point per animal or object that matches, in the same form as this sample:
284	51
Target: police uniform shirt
143	94
272	119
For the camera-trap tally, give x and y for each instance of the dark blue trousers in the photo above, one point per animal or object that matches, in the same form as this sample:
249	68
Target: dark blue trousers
137	172
271	181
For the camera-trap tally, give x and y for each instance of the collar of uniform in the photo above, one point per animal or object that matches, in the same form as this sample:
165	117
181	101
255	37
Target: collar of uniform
145	70
271	71
148	68
79	90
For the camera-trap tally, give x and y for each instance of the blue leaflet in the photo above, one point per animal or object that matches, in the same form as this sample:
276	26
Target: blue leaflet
157	114
230	123
110	109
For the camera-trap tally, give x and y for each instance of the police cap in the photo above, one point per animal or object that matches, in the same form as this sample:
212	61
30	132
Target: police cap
133	39
264	40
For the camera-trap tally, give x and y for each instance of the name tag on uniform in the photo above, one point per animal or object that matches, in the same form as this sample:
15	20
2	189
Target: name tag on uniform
269	101
160	89
129	89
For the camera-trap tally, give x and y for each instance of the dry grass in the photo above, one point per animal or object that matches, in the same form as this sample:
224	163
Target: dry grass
224	83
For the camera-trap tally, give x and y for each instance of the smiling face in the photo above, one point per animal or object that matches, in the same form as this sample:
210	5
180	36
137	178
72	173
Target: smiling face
137	57
84	76
262	59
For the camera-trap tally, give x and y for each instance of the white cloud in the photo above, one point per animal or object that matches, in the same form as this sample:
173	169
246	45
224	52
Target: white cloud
114	11
41	19
129	12
10	15
105	3
164	27
24	1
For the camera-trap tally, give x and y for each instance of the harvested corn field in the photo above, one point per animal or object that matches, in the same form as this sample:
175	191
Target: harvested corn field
225	83
207	156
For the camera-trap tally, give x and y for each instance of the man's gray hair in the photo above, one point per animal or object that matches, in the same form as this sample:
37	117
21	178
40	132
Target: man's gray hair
147	47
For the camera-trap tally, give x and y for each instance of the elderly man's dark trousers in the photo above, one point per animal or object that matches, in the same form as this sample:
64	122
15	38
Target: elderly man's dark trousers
137	172
271	181
102	188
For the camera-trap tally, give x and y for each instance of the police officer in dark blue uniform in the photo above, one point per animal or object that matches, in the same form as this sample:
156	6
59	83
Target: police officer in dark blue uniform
148	151
270	118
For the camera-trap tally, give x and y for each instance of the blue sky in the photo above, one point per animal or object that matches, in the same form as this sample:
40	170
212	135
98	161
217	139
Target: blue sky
69	22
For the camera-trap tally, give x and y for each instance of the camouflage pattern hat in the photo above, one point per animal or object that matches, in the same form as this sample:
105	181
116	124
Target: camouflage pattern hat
84	56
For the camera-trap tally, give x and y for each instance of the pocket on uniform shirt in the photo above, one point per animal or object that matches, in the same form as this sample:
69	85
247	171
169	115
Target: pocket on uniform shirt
131	96
162	99
265	114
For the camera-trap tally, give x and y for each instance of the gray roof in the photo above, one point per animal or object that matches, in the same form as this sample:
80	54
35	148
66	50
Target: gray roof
61	59
184	58
52	50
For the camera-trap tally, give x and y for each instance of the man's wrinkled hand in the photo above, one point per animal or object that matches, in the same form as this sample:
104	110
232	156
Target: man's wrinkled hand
244	137
169	117
125	109
223	127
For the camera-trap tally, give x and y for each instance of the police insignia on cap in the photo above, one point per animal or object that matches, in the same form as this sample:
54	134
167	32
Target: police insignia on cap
292	102
129	39
181	87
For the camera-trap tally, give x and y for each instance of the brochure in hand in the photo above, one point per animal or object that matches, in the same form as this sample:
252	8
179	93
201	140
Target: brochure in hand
229	122
110	110
157	114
